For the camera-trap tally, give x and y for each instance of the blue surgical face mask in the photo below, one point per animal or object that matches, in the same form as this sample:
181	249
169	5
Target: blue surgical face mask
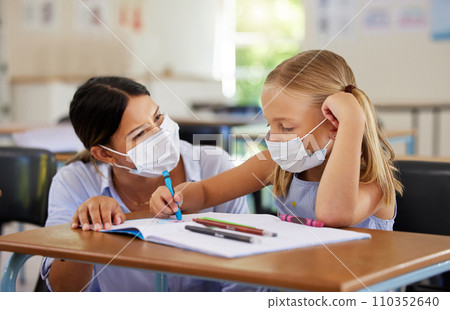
155	154
292	155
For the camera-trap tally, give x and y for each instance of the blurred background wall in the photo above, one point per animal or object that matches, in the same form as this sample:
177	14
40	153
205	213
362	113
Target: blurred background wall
399	52
219	51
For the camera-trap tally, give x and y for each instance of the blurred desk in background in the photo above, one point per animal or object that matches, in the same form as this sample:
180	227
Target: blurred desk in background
15	127
64	157
414	109
423	158
211	128
220	119
214	128
59	139
403	136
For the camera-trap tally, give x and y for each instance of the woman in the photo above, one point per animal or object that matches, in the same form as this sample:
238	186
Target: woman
128	144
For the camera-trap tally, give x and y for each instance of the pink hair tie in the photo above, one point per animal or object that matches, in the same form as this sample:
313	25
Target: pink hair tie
349	88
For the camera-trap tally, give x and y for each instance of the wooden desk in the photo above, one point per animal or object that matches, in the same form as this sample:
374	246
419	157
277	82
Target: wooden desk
214	126
423	158
64	157
388	260
220	119
10	128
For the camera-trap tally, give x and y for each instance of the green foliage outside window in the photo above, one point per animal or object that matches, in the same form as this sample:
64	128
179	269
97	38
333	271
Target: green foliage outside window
268	32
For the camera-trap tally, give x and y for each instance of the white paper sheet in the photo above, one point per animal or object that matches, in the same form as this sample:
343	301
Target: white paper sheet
290	235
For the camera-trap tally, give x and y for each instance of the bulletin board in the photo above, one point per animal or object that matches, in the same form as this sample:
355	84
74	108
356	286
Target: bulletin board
398	49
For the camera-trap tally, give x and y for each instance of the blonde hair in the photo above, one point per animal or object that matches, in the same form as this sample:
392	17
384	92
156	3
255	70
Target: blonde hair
319	74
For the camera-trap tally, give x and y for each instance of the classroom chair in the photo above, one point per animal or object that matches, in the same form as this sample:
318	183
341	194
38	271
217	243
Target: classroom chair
25	180
425	207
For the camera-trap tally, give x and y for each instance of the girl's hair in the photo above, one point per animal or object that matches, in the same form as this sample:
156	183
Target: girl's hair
319	74
97	108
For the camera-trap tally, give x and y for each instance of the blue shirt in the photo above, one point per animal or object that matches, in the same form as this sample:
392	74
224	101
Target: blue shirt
304	194
77	182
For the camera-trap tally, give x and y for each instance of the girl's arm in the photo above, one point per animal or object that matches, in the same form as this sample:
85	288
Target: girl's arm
341	199
194	196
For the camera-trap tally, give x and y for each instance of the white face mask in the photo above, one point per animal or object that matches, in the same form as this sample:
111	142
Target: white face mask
157	153
292	156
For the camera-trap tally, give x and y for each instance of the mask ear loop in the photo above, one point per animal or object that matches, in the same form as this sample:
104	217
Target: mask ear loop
116	165
120	166
322	150
111	150
313	129
329	141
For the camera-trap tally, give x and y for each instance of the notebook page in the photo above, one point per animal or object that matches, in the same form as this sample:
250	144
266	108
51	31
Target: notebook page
290	235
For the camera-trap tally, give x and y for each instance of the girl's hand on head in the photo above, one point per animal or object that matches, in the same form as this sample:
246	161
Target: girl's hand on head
101	211
341	107
163	204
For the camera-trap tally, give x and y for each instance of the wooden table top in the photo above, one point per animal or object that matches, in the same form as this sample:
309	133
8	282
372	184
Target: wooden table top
220	119
345	266
412	105
399	133
15	127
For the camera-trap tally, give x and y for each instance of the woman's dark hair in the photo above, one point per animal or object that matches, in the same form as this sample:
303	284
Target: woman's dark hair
97	108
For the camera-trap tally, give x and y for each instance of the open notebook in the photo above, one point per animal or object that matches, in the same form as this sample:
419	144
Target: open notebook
290	236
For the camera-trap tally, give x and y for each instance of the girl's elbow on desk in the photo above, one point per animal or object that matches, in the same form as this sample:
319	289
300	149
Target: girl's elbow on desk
333	216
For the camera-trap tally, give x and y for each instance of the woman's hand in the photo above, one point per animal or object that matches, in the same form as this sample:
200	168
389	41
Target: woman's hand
163	204
341	107
101	211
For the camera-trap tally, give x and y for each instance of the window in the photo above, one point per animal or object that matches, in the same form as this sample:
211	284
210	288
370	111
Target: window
267	32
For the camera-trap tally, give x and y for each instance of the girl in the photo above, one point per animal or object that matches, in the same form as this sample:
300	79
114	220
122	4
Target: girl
326	157
118	122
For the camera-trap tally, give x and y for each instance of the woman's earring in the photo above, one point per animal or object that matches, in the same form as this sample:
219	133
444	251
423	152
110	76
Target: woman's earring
334	137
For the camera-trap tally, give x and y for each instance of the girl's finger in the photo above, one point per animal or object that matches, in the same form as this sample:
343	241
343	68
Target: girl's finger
178	198
331	118
163	211
173	206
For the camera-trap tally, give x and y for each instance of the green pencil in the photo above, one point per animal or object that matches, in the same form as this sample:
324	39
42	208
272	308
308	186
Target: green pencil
220	221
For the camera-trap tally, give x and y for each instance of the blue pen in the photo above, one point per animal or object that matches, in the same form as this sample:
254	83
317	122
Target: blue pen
168	182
